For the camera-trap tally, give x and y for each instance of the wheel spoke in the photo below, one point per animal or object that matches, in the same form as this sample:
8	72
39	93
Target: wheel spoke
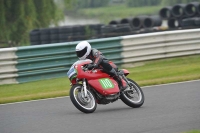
134	95
85	102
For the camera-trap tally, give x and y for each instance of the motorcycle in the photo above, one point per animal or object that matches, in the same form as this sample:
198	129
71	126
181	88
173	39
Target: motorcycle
92	87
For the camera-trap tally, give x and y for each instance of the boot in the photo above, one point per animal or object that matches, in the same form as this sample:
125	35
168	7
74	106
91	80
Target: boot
121	83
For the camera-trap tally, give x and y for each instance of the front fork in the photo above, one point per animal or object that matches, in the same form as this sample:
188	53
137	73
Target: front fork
84	89
124	77
132	89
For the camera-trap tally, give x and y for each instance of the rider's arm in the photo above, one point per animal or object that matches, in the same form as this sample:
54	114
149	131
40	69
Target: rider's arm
98	57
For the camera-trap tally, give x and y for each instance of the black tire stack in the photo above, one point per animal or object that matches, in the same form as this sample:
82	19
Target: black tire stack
139	24
65	34
45	36
179	16
78	33
182	15
54	35
94	31
116	30
35	37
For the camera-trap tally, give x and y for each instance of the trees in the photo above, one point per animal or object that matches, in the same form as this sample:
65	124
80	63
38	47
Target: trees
18	17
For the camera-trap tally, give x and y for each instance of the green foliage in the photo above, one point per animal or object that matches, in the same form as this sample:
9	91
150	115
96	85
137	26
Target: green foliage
18	17
193	131
3	32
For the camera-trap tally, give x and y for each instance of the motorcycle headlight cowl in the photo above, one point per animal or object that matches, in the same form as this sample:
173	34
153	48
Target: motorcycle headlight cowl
72	73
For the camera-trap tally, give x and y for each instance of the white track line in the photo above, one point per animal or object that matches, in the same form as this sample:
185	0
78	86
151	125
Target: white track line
68	96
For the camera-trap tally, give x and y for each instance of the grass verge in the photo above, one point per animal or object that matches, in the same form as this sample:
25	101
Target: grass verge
150	73
193	131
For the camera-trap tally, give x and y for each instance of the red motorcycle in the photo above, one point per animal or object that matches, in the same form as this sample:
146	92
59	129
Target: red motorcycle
92	87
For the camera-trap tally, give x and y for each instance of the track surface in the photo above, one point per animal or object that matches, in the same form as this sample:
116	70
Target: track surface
172	108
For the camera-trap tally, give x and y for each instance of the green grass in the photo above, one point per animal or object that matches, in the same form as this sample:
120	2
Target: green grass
193	131
150	73
34	90
106	14
168	70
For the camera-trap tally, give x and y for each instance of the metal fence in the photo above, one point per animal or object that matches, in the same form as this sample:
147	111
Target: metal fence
31	63
160	45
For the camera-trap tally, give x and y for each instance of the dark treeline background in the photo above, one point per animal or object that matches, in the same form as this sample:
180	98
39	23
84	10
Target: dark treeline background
18	17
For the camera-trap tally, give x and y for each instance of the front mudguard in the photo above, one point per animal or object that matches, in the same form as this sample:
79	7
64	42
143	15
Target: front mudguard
126	72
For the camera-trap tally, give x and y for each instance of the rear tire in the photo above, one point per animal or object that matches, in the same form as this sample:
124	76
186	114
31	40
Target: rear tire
129	98
86	105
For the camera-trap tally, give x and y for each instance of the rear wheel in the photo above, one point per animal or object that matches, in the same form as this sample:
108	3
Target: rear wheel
134	96
85	104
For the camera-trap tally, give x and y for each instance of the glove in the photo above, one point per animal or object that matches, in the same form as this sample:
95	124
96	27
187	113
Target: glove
91	66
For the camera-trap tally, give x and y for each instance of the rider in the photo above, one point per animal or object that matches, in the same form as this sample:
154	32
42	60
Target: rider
84	51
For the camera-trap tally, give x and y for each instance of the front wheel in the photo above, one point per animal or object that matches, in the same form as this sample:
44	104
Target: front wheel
134	96
85	104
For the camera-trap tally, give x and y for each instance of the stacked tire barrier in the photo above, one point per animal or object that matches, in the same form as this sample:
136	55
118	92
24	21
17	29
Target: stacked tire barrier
179	16
116	30
140	22
64	34
130	26
182	15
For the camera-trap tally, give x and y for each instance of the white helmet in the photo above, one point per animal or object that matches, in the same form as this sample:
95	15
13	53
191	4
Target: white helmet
83	50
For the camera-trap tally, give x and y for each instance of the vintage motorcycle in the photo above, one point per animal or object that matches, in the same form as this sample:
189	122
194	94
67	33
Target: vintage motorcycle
92	87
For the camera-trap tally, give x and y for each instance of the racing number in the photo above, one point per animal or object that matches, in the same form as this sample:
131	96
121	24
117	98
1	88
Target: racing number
106	83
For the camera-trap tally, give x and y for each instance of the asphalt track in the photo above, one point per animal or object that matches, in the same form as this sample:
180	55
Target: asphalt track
172	108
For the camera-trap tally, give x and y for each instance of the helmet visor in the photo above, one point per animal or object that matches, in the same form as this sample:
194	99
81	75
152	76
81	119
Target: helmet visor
81	53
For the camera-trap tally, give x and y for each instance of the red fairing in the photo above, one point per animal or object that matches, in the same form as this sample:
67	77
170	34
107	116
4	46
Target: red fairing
126	72
99	80
73	81
96	74
101	89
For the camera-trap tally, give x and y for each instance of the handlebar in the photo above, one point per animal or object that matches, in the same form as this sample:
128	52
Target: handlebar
84	68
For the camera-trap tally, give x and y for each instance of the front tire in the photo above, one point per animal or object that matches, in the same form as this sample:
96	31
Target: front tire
133	97
86	105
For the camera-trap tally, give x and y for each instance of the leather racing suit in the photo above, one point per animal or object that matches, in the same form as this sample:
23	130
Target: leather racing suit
99	61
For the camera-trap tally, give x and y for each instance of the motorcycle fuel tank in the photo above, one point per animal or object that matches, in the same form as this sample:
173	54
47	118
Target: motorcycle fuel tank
105	86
